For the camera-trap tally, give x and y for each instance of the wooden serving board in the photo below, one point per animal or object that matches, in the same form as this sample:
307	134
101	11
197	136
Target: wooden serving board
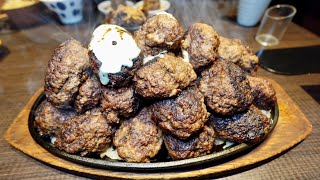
291	129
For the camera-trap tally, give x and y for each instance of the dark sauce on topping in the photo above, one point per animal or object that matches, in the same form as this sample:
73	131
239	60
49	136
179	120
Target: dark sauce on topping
121	31
108	30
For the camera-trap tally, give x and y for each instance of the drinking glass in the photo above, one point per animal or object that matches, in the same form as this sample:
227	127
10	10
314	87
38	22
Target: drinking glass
274	24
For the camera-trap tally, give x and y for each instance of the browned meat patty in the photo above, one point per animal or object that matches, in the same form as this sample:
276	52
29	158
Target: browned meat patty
233	50
149	5
138	139
112	116
146	50
85	134
122	100
199	145
65	73
89	94
116	3
200	45
116	80
263	92
183	116
49	120
127	16
225	88
160	31
163	77
249	126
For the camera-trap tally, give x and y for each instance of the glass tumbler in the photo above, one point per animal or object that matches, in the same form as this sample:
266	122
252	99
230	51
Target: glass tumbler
274	24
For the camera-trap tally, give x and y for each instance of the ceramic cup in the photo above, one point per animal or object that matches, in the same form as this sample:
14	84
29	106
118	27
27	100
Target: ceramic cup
251	11
69	11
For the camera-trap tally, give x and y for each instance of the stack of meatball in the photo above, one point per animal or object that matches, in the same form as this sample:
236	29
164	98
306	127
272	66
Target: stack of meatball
185	90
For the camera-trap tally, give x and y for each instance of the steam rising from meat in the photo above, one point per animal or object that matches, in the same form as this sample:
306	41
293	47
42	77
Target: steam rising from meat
187	12
54	31
217	13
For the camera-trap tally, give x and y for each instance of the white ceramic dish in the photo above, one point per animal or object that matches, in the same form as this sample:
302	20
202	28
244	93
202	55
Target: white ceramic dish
105	6
164	5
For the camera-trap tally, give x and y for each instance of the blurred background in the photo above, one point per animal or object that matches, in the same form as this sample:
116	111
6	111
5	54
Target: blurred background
24	14
30	30
308	14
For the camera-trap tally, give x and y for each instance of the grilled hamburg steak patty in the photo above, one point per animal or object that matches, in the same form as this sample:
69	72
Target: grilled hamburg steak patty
85	134
49	119
225	88
263	92
249	126
114	55
138	139
163	77
199	145
234	51
123	101
182	116
89	94
66	71
200	45
161	31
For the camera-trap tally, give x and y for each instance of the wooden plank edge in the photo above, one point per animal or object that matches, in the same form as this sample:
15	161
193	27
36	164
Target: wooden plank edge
25	110
121	175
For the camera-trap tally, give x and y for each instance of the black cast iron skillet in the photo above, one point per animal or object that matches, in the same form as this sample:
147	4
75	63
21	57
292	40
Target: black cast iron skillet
160	163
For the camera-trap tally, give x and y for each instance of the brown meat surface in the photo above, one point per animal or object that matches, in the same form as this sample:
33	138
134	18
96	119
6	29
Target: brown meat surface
149	5
138	139
233	50
249	126
127	16
66	71
112	116
89	94
123	101
163	77
85	134
225	88
49	120
183	116
146	50
116	3
160	32
201	43
199	145
116	80
263	92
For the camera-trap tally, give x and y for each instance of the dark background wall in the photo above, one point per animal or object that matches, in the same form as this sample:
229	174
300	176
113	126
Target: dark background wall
308	13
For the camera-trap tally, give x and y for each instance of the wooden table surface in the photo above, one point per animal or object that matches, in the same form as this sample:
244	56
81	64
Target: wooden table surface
22	73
